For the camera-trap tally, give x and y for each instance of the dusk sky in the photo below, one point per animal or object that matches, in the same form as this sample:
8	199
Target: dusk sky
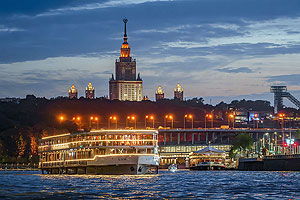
216	49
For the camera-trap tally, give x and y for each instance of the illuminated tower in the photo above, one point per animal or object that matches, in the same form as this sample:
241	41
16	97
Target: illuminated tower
159	94
126	86
178	92
73	92
90	92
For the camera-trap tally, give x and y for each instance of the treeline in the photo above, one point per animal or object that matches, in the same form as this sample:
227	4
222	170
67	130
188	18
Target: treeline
23	122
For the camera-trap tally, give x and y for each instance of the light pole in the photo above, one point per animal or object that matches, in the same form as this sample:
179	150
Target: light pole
113	118
232	116
97	122
281	116
171	118
151	117
190	117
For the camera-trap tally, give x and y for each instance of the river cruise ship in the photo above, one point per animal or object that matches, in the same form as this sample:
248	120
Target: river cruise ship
100	152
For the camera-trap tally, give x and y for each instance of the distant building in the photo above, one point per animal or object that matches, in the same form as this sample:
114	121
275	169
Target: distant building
126	87
159	94
178	92
90	92
73	92
145	98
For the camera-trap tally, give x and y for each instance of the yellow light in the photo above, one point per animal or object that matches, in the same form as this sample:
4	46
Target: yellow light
78	118
61	118
167	116
185	115
132	117
231	116
73	118
92	118
128	117
114	118
190	116
96	118
101	156
171	117
110	117
151	117
147	116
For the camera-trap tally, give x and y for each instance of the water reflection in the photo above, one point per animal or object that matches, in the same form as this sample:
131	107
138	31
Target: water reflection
182	184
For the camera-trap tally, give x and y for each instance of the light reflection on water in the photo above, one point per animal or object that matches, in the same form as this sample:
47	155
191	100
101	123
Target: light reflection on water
181	184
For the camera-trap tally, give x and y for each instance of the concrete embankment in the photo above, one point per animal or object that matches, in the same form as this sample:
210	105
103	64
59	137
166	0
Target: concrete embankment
271	163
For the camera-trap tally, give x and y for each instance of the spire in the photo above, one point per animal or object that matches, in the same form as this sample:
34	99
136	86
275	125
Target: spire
125	20
125	49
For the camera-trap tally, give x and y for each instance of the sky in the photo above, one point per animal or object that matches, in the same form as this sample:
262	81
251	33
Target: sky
220	50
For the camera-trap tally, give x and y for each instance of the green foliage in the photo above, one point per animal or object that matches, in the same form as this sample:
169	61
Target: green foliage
242	143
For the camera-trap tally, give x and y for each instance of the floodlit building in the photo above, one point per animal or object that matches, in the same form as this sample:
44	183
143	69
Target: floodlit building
178	92
90	91
125	87
159	94
73	92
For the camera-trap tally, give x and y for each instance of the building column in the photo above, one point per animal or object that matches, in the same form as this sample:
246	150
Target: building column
165	137
184	137
192	138
178	140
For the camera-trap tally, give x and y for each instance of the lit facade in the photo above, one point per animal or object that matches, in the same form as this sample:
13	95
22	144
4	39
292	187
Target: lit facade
90	91
178	92
126	86
159	94
73	92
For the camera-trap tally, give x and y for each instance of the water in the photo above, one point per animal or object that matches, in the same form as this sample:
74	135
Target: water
181	184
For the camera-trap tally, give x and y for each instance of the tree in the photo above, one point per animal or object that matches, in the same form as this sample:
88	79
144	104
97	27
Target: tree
241	144
21	146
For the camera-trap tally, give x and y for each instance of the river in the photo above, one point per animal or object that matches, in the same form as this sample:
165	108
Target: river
180	184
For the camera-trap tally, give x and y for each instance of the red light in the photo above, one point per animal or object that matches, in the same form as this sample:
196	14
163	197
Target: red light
294	144
285	144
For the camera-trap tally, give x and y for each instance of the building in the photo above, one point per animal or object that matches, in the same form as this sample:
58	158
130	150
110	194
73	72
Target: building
178	92
159	94
125	87
73	92
90	91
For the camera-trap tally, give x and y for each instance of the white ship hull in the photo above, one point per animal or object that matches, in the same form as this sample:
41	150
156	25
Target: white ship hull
110	165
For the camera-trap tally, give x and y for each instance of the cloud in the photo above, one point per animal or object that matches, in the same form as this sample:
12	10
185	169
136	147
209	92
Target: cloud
10	29
290	79
93	6
236	70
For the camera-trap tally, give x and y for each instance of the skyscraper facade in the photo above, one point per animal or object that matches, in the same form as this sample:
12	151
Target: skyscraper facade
90	91
73	92
126	86
159	94
178	92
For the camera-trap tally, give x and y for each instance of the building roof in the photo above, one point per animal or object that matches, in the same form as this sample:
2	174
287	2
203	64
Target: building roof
208	149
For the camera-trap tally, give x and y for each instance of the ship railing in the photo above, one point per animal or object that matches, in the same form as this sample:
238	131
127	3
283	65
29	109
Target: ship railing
62	164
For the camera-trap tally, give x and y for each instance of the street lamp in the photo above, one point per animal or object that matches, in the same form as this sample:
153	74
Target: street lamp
149	117
113	118
61	118
189	117
152	118
171	118
209	116
281	116
131	118
232	116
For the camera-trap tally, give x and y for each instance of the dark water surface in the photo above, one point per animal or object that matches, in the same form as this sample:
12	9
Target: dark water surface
181	184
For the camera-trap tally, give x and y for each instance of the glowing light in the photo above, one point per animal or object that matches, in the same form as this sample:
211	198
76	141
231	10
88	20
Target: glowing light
151	117
74	118
96	118
101	156
231	116
147	116
190	116
78	118
209	116
285	144
114	118
61	118
53	136
132	117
